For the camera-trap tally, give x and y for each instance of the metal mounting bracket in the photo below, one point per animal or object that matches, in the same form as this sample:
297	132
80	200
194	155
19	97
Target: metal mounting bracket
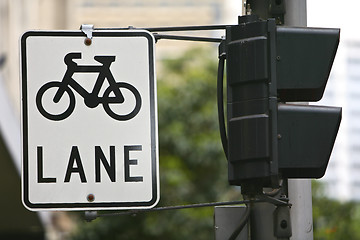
87	29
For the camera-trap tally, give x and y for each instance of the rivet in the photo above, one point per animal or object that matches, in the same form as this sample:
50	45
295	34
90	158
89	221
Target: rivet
87	41
90	197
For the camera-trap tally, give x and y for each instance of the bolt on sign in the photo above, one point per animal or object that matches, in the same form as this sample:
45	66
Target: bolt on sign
89	120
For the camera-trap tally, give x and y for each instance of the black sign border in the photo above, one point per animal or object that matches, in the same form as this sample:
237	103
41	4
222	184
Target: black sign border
153	114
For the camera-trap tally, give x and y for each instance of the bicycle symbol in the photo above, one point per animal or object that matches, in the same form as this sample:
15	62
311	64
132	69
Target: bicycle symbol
112	95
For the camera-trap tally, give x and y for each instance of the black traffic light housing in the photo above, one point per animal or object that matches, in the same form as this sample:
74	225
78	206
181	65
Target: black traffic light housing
268	65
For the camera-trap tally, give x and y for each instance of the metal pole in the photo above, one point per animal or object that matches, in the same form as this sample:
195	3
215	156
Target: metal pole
295	14
227	219
299	190
301	210
261	221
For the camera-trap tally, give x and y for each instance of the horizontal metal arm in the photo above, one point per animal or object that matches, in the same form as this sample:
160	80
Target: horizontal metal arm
178	29
173	29
91	215
187	28
187	38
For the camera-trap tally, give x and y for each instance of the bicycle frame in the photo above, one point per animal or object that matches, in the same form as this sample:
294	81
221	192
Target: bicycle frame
91	99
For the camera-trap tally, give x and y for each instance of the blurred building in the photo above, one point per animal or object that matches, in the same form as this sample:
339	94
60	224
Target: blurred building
342	178
343	174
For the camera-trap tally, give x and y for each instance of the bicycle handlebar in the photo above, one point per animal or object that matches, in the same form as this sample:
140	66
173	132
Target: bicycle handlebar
68	59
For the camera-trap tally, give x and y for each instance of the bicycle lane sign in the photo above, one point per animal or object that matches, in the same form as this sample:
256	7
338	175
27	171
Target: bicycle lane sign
89	120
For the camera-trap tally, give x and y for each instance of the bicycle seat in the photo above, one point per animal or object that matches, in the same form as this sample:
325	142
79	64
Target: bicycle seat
105	59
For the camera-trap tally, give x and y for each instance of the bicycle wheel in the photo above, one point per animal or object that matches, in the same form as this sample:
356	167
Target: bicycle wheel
133	106
57	112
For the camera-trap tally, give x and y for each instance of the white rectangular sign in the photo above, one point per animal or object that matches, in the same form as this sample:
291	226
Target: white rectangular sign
89	120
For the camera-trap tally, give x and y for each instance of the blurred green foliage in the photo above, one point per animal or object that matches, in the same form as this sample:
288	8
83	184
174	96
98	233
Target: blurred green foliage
334	220
193	168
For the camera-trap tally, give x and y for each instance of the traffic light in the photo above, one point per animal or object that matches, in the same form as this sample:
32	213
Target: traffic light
267	66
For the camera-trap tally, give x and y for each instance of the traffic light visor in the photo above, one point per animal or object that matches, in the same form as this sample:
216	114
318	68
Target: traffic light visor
304	60
306	137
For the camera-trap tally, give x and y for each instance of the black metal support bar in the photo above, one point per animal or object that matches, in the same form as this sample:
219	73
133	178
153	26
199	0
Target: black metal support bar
91	215
187	38
173	29
187	28
199	205
178	29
